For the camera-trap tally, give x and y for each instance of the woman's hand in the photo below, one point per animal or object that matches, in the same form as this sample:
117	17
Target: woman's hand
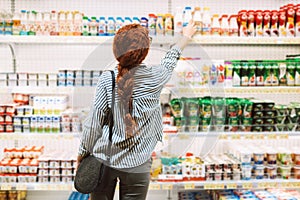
189	30
79	159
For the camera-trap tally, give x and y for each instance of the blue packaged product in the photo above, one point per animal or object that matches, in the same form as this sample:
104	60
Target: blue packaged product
111	26
102	30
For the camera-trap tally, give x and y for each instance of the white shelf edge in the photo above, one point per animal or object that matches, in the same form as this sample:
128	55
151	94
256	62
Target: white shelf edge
230	90
217	40
232	184
17	135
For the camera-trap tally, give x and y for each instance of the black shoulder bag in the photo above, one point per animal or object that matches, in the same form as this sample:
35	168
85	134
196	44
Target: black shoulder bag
90	171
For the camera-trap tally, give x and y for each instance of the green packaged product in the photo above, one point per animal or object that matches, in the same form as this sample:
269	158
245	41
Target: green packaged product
205	124
192	124
252	74
297	74
191	107
232	107
282	72
267	73
177	107
260	70
233	124
246	124
219	107
206	109
180	123
247	106
290	74
219	124
236	77
245	74
275	73
281	110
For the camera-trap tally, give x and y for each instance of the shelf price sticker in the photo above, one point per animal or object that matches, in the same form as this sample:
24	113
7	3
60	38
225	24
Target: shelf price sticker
247	185
219	186
272	136
272	185
284	136
6	187
167	186
236	136
154	186
183	136
261	185
208	186
296	185
189	186
21	187
223	137
231	185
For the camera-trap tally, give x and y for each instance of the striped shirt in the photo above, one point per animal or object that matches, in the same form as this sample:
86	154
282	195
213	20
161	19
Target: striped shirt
146	110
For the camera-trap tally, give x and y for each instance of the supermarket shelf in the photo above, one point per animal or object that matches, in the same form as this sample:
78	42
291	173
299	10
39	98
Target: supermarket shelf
234	135
192	185
45	90
209	40
185	90
44	136
239	184
241	90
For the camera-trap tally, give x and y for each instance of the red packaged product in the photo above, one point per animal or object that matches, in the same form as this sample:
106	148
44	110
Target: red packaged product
290	25
233	25
251	23
297	19
242	20
274	23
281	23
259	23
266	23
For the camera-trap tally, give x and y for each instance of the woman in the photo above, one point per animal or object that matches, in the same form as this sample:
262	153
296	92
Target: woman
136	112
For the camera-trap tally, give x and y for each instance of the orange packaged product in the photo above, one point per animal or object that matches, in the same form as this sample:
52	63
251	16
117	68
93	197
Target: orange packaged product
233	25
13	165
24	166
8	152
4	165
259	23
10	109
274	23
266	23
242	20
33	166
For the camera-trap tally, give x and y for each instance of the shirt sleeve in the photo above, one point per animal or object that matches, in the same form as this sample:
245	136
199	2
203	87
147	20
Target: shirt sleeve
168	63
92	126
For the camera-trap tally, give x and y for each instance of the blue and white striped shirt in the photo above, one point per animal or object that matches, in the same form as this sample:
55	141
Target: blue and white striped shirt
148	84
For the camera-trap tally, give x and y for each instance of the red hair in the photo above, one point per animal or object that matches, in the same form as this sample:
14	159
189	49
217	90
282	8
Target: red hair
130	47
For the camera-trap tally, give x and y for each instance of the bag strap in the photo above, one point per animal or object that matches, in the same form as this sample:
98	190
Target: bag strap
111	116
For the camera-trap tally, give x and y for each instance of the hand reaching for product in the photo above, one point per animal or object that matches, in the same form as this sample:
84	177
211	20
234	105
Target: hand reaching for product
189	30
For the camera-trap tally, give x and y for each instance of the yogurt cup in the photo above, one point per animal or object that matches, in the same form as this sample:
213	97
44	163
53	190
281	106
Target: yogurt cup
246	172
259	172
271	171
258	157
285	171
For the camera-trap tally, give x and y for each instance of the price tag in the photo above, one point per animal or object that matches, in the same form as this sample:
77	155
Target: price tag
247	185
223	137
154	186
5	187
261	185
167	186
272	136
66	187
284	185
297	185
284	136
183	136
189	186
231	186
249	136
272	185
166	137
219	186
236	136
21	187
208	186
